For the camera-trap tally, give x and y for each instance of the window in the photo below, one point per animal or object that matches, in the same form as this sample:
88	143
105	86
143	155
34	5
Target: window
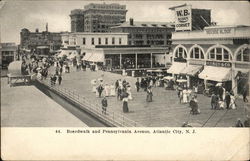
226	55
99	41
212	54
113	40
246	55
120	41
220	54
83	41
181	53
106	41
196	53
93	41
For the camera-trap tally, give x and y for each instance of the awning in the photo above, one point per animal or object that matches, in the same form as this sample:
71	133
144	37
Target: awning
218	74
191	70
64	52
96	57
72	55
168	77
176	68
87	56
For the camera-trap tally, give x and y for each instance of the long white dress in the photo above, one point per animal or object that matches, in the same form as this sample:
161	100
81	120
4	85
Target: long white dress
129	93
232	102
112	90
185	96
106	90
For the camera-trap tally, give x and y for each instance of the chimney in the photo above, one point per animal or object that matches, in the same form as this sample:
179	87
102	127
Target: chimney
131	21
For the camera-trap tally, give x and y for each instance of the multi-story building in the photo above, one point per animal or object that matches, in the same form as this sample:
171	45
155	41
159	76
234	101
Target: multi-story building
86	40
8	53
32	40
146	33
97	17
77	20
216	54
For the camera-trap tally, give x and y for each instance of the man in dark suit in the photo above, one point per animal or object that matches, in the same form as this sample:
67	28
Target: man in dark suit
227	99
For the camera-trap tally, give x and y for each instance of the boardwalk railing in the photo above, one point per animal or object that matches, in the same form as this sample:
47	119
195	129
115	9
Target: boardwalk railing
115	119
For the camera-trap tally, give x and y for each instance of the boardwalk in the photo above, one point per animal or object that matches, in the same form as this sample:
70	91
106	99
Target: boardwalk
165	110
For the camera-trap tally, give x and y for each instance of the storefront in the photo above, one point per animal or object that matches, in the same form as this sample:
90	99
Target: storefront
129	57
213	56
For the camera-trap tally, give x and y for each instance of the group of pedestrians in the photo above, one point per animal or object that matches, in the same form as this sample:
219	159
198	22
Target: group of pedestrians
222	99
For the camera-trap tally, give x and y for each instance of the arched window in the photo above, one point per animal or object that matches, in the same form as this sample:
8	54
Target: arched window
196	53
243	55
219	53
181	53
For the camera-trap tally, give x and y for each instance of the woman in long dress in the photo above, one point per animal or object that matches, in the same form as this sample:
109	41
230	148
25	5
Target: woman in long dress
125	104
232	102
129	93
106	90
149	94
112	90
185	96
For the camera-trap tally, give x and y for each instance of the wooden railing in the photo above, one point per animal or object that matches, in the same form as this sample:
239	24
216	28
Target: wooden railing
115	119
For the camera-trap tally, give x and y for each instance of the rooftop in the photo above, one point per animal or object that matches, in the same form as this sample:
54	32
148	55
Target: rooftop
147	24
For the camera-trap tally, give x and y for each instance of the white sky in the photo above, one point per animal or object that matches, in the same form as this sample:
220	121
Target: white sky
18	14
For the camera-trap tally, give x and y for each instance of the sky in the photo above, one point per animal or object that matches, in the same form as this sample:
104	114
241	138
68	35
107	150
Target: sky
18	14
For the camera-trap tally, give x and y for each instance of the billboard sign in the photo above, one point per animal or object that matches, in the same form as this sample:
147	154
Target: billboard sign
183	18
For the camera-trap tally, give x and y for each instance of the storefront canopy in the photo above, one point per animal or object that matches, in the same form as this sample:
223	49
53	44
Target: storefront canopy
219	74
176	68
64	52
72	55
191	70
96	57
87	56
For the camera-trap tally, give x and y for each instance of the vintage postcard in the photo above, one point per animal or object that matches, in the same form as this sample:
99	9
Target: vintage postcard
125	80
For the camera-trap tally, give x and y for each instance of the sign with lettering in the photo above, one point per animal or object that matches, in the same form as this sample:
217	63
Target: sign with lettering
219	64
218	31
183	18
196	62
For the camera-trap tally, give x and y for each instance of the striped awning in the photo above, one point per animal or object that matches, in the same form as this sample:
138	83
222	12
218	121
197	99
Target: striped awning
177	67
191	70
219	74
87	56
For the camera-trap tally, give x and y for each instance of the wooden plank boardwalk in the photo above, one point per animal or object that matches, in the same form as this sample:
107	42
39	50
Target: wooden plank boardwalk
164	111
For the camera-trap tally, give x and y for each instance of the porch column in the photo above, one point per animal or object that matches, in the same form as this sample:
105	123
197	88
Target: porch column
135	60
234	83
165	61
188	81
120	61
151	60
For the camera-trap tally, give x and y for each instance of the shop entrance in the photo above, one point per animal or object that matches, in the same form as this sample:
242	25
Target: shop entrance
108	64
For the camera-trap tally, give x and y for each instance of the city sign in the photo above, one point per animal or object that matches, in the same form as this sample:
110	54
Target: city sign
183	18
219	31
219	64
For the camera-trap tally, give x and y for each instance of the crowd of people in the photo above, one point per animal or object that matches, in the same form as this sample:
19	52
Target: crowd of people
121	89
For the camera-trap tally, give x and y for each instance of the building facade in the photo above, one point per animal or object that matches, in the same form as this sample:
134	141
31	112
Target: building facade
77	20
8	53
86	40
128	57
32	40
146	33
216	54
97	17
